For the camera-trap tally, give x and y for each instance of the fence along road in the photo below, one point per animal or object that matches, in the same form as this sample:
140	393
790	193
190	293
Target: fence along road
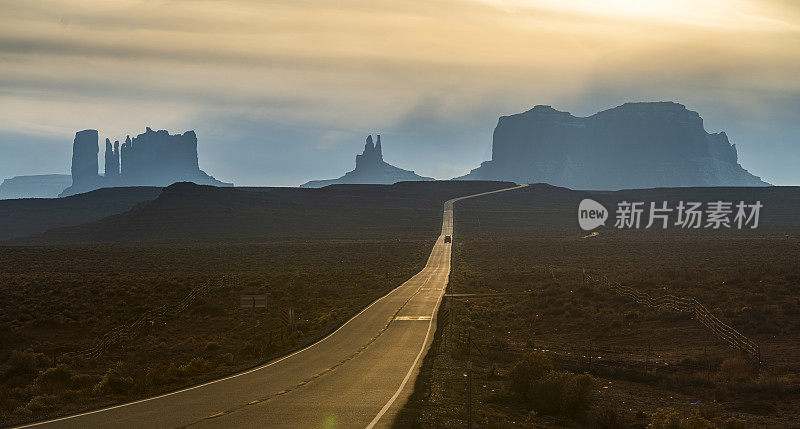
358	376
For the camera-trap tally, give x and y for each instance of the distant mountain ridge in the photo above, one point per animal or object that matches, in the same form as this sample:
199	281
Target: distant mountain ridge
635	145
36	186
21	217
370	169
186	211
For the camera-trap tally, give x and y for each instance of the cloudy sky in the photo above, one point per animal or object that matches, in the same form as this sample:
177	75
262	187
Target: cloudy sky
281	92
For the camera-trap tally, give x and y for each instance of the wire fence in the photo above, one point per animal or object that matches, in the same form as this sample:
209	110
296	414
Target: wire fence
126	333
643	362
720	329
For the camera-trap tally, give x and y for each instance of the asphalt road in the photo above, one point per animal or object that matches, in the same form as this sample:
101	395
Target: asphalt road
359	376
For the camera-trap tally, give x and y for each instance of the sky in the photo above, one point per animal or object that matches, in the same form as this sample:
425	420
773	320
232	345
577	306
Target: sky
282	92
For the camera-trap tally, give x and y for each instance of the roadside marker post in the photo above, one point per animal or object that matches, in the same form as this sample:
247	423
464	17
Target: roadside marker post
253	301
287	320
285	325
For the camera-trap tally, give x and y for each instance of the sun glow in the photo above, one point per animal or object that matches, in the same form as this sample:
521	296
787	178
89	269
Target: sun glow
697	12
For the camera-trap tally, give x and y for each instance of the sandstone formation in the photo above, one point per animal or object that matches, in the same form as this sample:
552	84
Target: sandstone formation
112	160
370	169
84	163
38	186
154	158
635	145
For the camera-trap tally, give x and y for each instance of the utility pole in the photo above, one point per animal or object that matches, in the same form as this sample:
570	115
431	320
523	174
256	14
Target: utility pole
253	301
291	324
254	328
469	394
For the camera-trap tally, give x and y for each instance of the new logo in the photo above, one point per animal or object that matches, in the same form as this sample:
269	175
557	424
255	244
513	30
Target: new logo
591	214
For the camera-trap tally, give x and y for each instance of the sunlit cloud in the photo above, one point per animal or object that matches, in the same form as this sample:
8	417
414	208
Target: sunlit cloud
348	68
742	14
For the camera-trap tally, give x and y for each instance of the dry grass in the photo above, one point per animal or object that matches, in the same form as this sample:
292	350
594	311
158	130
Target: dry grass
61	299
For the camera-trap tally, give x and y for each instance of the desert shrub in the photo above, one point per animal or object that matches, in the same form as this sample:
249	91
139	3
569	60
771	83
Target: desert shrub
561	393
733	370
82	381
54	380
710	410
577	395
666	418
155	377
705	416
6	400
116	381
23	412
226	359
546	391
527	371
24	363
197	365
42	403
607	418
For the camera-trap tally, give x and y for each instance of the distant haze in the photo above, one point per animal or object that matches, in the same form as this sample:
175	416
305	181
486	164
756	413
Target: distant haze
283	92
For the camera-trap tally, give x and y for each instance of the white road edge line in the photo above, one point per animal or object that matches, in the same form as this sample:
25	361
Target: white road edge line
219	379
394	397
413	365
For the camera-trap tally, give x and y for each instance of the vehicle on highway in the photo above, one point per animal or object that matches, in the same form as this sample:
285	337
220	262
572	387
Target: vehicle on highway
448	239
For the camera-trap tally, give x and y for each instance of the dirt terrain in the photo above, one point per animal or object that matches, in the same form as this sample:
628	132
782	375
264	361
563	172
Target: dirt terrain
647	365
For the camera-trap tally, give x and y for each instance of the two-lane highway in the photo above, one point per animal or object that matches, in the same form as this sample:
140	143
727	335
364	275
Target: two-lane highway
358	376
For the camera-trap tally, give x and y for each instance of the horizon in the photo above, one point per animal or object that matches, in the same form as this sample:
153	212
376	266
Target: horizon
281	94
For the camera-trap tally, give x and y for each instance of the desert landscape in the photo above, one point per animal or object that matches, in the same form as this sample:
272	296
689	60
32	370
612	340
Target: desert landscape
399	214
644	365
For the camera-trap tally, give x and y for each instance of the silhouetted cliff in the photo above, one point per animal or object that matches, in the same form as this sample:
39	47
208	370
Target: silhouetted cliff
112	160
84	163
370	169
154	158
635	145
